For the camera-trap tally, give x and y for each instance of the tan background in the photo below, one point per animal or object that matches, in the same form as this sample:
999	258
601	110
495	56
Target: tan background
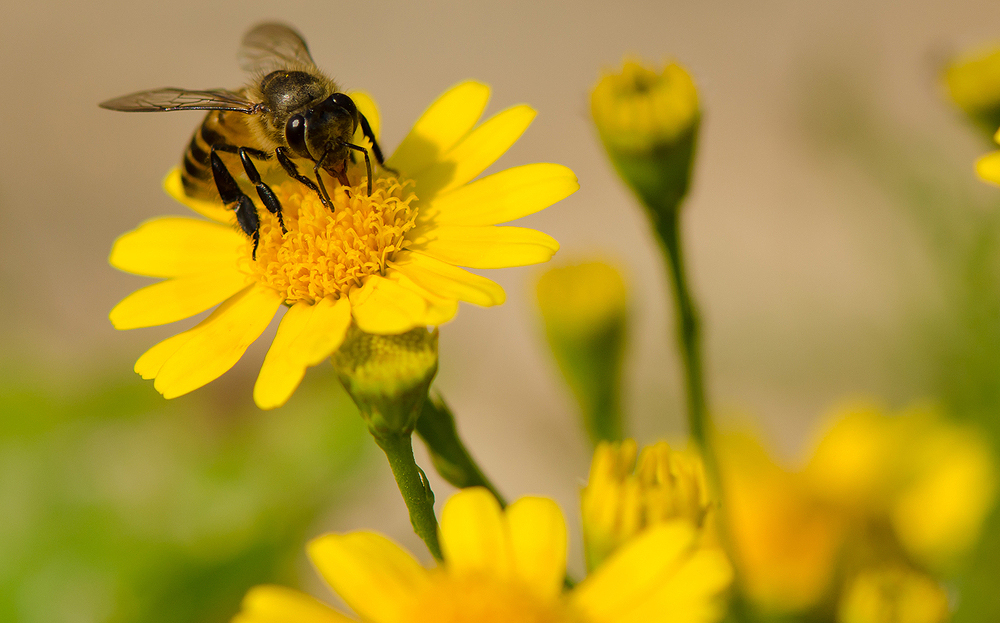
804	269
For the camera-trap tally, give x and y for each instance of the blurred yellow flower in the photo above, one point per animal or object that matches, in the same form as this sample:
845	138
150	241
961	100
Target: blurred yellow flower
388	262
625	496
933	480
893	595
785	542
973	83
500	567
885	502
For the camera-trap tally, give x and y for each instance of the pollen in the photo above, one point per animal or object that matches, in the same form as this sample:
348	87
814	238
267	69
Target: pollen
327	252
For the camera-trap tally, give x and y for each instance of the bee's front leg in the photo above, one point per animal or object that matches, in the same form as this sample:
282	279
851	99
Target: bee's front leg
293	171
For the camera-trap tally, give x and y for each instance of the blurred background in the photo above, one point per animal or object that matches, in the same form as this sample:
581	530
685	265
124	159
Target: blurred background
840	245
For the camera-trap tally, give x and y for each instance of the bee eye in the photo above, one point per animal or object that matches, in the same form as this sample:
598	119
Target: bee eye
295	134
344	102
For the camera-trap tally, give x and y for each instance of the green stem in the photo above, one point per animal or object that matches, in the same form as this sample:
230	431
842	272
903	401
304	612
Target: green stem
413	486
436	426
688	329
699	420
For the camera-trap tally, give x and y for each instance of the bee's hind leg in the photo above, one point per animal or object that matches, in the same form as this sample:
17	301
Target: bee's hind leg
229	191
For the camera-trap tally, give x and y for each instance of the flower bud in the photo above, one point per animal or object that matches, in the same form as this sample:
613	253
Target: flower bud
648	122
585	310
624	496
388	376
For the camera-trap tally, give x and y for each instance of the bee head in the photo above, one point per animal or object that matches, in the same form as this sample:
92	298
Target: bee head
325	127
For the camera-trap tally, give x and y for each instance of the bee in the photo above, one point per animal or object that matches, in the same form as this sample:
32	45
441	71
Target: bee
290	111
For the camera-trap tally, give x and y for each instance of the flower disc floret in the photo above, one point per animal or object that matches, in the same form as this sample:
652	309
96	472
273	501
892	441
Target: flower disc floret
327	252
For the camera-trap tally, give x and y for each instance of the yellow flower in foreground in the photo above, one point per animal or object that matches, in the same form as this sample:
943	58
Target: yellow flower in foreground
389	262
625	496
501	567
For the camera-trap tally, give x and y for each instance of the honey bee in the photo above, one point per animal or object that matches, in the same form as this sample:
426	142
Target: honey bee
290	111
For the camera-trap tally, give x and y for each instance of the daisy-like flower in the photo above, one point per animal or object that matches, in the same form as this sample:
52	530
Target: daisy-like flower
388	262
503	566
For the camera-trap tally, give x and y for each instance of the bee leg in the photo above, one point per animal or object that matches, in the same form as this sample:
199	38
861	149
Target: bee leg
229	191
293	171
368	163
267	196
319	179
366	129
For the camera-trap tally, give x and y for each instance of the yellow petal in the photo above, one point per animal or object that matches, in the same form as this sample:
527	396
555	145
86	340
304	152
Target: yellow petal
634	571
218	342
538	541
384	307
176	299
176	246
366	106
474	535
307	335
212	209
441	126
478	150
504	196
449	281
149	364
439	309
692	594
487	247
277	604
988	167
373	575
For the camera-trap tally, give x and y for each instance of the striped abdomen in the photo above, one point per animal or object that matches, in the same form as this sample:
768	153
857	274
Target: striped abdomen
219	128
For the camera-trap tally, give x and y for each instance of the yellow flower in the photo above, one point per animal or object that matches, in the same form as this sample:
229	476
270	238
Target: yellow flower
934	481
501	567
624	497
785	543
388	262
973	82
893	595
886	503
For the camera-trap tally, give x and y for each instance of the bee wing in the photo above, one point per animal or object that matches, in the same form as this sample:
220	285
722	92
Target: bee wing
272	46
161	100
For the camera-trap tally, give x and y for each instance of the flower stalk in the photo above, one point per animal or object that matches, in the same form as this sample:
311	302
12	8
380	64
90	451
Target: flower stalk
452	460
413	486
387	376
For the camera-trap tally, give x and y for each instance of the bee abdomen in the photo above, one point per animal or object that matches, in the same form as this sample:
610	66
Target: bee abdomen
196	165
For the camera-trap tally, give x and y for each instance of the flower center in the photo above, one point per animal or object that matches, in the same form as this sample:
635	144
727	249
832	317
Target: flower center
326	253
